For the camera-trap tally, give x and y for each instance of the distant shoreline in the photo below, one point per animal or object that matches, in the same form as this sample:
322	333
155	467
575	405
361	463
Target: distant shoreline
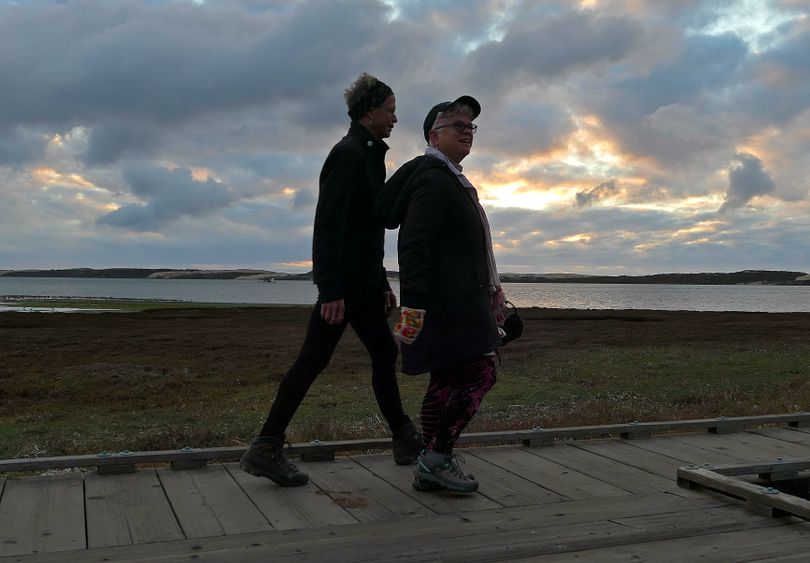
746	277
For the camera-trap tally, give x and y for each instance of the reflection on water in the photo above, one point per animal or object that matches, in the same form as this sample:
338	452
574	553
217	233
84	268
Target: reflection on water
21	309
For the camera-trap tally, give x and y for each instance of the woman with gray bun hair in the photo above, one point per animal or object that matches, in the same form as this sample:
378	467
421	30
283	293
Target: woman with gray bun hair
347	264
450	291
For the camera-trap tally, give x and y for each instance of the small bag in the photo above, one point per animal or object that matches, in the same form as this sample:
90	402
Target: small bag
512	326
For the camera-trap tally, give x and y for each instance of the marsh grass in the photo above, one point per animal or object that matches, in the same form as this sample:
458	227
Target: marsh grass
170	378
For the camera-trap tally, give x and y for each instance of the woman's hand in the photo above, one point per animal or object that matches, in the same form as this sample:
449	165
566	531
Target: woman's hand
389	301
333	311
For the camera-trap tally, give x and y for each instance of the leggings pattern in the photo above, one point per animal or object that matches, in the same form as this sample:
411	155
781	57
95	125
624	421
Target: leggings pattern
452	399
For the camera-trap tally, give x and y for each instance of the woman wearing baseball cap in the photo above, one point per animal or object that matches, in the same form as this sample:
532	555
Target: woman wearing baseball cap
450	291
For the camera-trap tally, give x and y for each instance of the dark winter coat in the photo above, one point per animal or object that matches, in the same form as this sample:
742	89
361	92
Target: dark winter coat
442	264
347	243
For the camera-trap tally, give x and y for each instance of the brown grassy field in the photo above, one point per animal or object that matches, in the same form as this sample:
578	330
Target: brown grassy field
168	378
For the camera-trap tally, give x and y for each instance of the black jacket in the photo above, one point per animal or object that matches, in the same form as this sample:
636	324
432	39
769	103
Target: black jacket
347	243
442	264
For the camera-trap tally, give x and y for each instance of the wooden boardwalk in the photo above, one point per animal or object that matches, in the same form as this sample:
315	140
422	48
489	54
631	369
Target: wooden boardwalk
586	500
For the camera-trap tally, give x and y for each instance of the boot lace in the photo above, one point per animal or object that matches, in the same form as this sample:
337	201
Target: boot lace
454	463
283	459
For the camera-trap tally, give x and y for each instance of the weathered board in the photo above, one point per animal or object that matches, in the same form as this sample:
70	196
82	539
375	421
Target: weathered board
500	534
128	509
288	508
208	502
361	493
42	514
628	453
620	475
547	474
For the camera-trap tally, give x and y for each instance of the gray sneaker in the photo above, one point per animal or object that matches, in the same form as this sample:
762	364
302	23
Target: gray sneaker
265	458
436	472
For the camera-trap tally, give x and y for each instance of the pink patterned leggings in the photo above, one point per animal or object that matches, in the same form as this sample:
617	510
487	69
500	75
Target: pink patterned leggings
452	399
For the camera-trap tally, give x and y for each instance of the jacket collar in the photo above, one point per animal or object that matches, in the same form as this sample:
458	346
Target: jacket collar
360	133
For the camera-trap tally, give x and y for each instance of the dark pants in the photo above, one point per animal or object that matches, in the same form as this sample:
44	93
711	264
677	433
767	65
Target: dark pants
366	313
452	399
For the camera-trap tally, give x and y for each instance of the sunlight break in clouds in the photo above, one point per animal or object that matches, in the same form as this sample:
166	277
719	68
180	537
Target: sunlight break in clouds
755	21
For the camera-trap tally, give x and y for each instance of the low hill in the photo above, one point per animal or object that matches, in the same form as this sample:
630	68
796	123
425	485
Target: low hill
761	277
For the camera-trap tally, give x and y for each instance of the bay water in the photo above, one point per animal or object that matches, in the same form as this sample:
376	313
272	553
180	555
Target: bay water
763	298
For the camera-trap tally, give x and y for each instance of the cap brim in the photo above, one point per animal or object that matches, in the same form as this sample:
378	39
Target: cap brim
471	102
468	101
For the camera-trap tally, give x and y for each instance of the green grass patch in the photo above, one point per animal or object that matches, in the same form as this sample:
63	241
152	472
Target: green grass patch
202	377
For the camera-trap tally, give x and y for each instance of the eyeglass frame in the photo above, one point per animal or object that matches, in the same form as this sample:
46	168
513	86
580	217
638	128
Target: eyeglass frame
459	126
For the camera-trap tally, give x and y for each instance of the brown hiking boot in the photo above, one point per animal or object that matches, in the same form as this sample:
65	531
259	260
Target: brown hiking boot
407	443
265	458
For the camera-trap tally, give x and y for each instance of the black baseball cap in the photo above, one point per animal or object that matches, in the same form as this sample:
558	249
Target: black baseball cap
469	101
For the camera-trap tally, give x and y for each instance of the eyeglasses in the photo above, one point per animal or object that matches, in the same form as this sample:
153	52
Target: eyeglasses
459	126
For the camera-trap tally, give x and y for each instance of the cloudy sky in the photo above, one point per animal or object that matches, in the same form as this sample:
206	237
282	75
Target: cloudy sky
616	137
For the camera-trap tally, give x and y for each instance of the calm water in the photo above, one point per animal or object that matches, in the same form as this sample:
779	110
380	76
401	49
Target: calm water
553	295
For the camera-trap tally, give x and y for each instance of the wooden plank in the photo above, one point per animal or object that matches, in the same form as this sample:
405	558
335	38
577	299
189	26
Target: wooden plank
771	544
674	447
364	495
755	494
552	476
401	477
208	502
491	534
630	479
633	456
749	446
792	435
522	539
289	508
42	514
793	466
126	509
506	488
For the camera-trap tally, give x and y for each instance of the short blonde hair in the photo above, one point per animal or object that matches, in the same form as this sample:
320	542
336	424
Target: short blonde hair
365	94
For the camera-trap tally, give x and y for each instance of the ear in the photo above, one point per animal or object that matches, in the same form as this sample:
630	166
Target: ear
433	138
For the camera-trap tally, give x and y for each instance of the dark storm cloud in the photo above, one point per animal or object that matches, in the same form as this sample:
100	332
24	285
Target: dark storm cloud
747	179
522	127
537	50
778	88
18	146
128	69
114	138
706	66
594	195
167	195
